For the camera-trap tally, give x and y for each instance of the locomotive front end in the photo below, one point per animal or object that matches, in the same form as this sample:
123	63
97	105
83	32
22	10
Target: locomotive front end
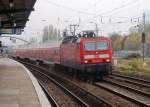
96	55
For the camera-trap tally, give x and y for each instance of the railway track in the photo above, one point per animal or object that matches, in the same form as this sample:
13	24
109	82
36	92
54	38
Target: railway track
133	89
139	100
133	80
50	98
56	91
83	97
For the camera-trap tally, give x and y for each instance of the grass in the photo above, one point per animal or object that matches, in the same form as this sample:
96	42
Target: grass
133	65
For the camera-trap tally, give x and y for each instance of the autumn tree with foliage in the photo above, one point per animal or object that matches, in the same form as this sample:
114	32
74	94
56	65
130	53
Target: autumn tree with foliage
128	42
50	33
133	42
116	41
148	43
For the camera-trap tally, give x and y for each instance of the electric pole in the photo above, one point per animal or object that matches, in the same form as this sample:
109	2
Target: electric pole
73	29
143	41
96	29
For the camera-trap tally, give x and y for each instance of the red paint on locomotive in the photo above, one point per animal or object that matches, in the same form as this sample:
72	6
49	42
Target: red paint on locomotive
78	53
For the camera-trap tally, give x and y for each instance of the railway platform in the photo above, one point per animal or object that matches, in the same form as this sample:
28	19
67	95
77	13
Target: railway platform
18	87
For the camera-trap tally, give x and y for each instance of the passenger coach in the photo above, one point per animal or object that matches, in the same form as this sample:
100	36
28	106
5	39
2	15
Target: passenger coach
85	54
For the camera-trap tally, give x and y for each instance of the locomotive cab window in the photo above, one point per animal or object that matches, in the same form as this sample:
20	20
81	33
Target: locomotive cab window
101	45
89	46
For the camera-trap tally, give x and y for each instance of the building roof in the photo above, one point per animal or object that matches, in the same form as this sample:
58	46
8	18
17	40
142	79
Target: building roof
15	13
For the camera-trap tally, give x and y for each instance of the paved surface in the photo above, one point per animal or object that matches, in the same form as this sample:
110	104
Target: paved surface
16	87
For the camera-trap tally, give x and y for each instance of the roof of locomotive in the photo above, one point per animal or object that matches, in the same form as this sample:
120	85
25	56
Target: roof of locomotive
95	38
75	39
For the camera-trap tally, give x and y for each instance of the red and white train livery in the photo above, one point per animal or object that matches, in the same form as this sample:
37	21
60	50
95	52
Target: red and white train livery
92	55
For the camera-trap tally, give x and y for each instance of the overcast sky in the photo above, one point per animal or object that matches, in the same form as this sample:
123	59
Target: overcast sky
57	12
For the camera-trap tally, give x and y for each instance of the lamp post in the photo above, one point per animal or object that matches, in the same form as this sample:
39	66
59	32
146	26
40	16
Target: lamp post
143	41
65	31
96	28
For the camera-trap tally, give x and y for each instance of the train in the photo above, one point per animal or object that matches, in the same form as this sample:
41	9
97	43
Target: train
83	54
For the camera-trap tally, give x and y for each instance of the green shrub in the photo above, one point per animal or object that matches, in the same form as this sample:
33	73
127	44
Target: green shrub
136	64
134	55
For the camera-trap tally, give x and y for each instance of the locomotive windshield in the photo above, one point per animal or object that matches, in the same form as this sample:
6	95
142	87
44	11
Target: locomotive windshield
89	46
101	45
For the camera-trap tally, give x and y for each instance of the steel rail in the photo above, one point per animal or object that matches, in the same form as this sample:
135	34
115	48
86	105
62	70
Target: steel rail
90	97
132	78
50	98
128	88
132	82
60	86
122	95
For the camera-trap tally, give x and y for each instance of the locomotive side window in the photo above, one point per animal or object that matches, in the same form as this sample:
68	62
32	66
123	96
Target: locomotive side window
101	45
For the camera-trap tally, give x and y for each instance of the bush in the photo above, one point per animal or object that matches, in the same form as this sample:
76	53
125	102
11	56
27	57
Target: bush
134	65
134	55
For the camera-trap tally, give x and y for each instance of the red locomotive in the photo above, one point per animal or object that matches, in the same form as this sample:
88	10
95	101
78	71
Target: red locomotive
86	54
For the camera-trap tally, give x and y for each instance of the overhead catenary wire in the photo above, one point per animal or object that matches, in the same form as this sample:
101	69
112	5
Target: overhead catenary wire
114	9
90	7
101	15
119	7
88	13
93	5
69	8
93	14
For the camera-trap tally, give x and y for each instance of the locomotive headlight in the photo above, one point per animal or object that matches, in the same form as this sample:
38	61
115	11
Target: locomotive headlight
85	61
107	60
104	55
88	56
